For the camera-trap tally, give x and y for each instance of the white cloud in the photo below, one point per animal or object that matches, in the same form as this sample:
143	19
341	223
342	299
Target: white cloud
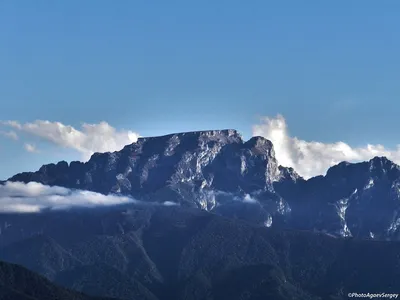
310	158
89	139
248	199
30	148
10	134
170	203
33	197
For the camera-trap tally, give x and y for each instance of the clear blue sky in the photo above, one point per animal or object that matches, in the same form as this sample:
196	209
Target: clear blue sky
331	68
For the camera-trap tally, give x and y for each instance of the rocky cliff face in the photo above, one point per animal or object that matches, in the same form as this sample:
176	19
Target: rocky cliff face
352	200
201	169
218	171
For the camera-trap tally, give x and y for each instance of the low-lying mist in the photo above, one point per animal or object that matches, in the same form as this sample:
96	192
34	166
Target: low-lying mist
33	197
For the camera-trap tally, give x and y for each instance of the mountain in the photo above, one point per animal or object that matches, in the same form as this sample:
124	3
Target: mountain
217	171
181	163
18	283
156	252
196	169
359	200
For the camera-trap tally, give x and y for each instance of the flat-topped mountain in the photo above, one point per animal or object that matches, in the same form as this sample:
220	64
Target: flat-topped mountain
218	171
217	159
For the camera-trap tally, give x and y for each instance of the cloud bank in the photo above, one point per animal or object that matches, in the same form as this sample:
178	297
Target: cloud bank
34	197
90	138
310	158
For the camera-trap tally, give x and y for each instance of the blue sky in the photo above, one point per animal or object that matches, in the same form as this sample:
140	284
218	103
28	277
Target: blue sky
331	69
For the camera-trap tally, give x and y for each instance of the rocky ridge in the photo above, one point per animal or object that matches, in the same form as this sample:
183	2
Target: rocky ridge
218	171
